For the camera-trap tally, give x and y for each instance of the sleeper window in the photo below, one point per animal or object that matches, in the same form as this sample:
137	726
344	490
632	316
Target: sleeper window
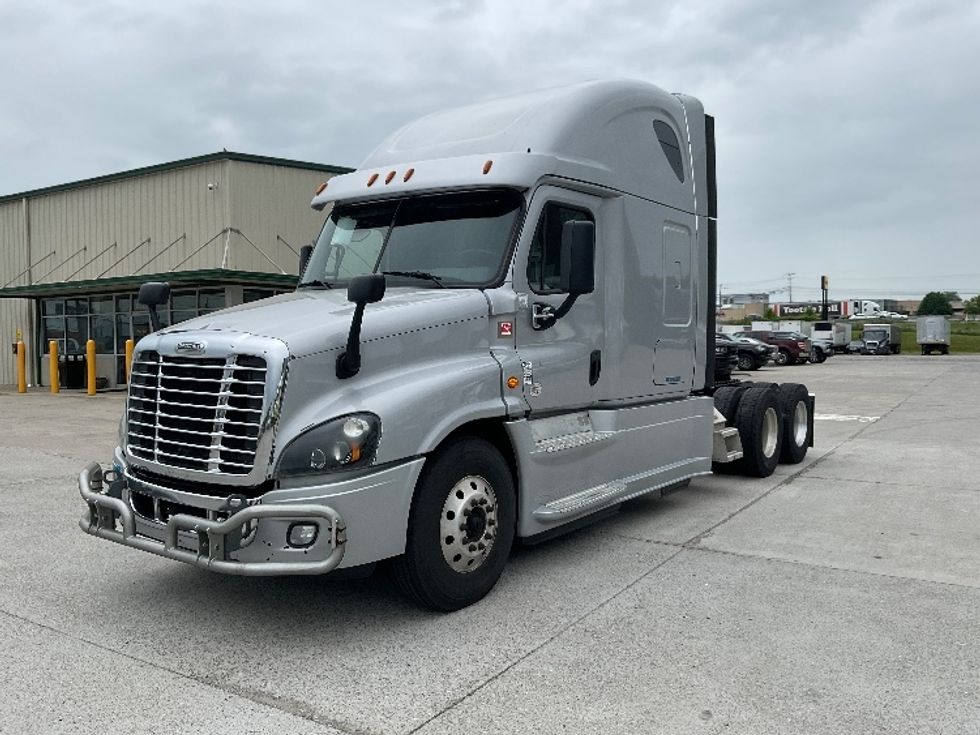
671	148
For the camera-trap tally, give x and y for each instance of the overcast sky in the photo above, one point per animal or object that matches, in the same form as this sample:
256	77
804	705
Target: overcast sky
848	132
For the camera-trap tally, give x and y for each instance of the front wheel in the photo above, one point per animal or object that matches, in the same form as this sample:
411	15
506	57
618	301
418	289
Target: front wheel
746	362
461	527
782	357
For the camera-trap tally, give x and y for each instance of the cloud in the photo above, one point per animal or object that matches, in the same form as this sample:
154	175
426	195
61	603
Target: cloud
846	131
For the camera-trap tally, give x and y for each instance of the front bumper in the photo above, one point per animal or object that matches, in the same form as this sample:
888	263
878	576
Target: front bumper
209	543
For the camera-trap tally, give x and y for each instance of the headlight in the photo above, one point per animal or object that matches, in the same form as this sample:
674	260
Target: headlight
345	442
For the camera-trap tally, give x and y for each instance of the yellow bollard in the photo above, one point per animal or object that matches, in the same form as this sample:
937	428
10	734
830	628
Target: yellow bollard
55	377
21	367
130	346
90	360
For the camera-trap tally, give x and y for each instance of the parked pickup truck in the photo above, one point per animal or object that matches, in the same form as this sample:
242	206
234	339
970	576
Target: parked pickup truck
505	330
790	347
752	353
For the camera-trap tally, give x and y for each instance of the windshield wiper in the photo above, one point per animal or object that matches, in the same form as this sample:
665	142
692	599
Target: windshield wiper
315	283
423	275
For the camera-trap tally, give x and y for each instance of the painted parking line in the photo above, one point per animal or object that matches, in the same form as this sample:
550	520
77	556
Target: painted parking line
845	417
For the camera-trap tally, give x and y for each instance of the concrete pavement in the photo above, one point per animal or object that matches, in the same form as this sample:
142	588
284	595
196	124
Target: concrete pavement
838	596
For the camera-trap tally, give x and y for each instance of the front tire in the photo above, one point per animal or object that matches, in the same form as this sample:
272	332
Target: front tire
746	362
461	527
782	357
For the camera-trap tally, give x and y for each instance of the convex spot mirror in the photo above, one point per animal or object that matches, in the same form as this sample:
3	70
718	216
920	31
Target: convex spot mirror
577	258
154	293
366	289
361	290
304	258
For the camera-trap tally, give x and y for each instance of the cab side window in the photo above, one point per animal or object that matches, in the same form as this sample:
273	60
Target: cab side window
544	257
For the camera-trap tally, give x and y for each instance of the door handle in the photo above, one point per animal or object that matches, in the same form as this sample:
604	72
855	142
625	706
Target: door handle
595	366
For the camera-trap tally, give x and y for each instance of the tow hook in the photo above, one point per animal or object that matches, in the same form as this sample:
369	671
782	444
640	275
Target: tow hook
233	539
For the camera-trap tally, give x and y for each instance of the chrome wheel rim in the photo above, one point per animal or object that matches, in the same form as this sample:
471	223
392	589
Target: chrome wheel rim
770	432
801	423
468	526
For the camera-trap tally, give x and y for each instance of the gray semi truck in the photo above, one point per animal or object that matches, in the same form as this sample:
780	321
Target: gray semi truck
505	330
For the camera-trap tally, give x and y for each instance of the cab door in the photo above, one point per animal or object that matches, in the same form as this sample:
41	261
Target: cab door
562	363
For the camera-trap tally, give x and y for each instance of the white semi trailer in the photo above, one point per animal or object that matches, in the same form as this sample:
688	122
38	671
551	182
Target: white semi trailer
932	333
505	330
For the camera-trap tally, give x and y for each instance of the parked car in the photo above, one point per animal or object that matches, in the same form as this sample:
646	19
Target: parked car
726	358
753	353
791	347
855	347
821	349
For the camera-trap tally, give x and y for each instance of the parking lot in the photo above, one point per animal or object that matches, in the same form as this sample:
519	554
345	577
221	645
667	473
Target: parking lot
837	596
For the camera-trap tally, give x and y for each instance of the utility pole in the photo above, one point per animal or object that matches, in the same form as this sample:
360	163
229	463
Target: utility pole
789	285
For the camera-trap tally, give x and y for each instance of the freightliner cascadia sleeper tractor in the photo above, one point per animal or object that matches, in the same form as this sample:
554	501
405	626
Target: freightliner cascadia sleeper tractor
505	330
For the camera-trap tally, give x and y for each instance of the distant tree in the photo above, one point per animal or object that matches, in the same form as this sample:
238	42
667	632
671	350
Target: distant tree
952	295
935	302
769	315
972	306
809	315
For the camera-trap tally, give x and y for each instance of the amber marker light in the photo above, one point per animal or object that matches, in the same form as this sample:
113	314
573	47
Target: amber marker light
374	177
389	177
513	382
409	174
486	167
320	188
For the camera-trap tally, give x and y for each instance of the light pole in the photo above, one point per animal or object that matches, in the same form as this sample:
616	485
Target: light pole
789	285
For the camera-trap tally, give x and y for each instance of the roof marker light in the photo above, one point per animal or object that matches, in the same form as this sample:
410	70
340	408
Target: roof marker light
374	177
389	177
408	174
486	167
320	188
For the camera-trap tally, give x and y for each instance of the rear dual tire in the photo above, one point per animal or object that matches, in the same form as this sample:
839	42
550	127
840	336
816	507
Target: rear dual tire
773	423
759	422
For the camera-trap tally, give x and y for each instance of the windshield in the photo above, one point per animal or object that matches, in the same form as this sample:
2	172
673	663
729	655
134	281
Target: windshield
875	334
445	239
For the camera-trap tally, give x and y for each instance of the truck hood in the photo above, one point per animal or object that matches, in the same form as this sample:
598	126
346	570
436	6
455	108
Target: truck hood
313	321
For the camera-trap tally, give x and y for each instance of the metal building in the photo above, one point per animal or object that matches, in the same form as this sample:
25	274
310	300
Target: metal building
223	229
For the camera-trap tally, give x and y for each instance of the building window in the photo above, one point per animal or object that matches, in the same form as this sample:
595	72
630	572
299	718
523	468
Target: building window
256	294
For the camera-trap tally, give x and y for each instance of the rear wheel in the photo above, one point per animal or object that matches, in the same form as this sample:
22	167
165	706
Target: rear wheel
461	527
726	401
794	402
759	423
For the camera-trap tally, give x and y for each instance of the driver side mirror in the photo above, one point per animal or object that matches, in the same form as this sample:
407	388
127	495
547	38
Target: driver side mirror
577	277
578	258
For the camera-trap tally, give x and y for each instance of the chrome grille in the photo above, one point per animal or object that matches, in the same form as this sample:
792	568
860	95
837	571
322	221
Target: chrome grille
196	413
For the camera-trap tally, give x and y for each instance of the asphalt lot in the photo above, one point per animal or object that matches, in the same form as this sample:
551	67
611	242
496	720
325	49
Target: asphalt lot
838	596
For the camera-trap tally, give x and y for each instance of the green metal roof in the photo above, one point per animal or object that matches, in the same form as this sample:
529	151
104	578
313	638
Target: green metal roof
182	163
211	277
